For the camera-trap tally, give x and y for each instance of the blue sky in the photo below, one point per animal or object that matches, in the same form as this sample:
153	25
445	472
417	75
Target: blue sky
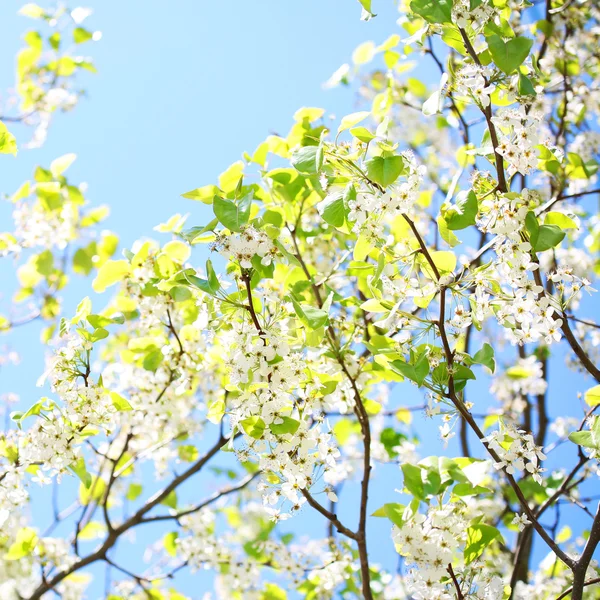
183	88
182	91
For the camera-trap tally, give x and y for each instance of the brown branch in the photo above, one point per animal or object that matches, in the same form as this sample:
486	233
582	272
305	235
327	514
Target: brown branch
583	322
487	111
360	536
578	350
216	496
568	591
583	563
332	517
459	594
134	520
250	306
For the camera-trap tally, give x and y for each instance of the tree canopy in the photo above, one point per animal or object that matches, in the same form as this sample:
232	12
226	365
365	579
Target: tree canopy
241	388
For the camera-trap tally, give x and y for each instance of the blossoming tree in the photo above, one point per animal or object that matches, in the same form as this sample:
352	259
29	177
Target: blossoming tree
440	239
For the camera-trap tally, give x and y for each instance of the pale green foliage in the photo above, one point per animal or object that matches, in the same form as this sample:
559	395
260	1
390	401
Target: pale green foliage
337	287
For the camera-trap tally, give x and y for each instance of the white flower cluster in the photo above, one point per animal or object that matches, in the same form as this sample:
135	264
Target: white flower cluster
463	16
461	319
517	451
204	547
267	362
52	442
472	82
242	247
569	285
37	227
370	211
586	144
56	98
524	378
520	134
328	577
525	312
165	400
433	541
548	583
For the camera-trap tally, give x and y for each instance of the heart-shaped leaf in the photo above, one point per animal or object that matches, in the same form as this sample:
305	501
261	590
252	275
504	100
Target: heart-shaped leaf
510	55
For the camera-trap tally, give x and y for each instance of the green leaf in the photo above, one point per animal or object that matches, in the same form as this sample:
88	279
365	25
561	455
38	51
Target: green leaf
451	37
353	119
84	308
417	372
81	35
304	160
463	212
79	468
432	481
392	511
195	232
363	246
533	227
413	481
170	500
152	360
445	233
334	211
59	165
444	260
391	439
202	284
134	491
273	592
291	258
366	4
92	493
289	425
111	272
204	194
188	453
485	357
254	427
525	86
560	220
120	403
8	143
177	251
384	170
548	237
311	316
479	537
25	541
510	55
468	489
213	281
362	134
97	321
169	543
462	373
231	214
592	396
542	237
92	531
216	411
433	11
588	439
32	10
35	409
